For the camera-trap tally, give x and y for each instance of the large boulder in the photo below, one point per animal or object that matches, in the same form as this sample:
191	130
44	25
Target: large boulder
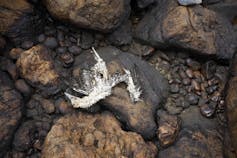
83	135
195	29
19	20
10	111
36	66
137	116
231	104
102	15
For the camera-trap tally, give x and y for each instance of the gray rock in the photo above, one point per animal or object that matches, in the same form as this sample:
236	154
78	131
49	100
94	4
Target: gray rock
138	116
121	36
197	29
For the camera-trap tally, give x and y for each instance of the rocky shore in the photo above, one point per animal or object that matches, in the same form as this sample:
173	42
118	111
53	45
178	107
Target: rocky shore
180	56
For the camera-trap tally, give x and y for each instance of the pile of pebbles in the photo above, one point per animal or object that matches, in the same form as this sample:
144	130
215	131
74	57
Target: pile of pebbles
192	82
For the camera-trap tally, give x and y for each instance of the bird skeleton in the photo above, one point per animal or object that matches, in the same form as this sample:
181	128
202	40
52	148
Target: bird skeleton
98	84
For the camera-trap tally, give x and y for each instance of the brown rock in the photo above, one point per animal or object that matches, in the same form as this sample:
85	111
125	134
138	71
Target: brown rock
83	135
195	144
169	126
192	28
26	137
36	66
231	104
10	111
102	15
18	20
15	53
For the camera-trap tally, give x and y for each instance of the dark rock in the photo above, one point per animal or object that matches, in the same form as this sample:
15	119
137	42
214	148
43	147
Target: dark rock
86	40
194	143
186	81
83	135
154	89
2	42
231	106
102	15
191	28
9	66
27	44
23	87
174	88
196	85
61	50
63	106
75	50
19	20
226	9
140	50
169	126
209	69
51	42
199	137
192	98
144	3
36	66
208	2
10	111
67	59
122	35
194	65
207	110
41	38
15	53
25	136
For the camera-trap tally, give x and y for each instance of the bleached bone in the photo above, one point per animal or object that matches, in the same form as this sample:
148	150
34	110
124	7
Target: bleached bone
98	84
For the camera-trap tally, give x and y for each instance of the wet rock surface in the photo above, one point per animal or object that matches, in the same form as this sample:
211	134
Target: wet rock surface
103	15
100	135
191	122
36	66
10	111
153	86
201	31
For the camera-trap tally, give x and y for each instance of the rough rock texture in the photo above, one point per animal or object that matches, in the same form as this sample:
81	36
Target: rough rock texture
196	28
121	36
19	20
137	116
83	135
227	9
199	138
10	111
144	3
36	66
231	106
169	126
194	144
26	137
102	15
